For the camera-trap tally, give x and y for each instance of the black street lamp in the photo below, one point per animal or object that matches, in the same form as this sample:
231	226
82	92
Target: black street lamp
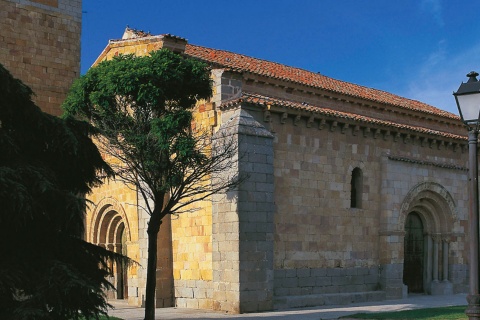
468	102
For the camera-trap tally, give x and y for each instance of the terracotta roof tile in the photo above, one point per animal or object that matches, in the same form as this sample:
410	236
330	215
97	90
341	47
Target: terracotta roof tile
242	63
262	100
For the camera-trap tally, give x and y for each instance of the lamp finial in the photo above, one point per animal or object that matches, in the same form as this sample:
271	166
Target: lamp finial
472	76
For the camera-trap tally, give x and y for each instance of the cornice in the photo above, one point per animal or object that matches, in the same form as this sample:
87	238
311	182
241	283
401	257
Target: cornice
320	118
427	163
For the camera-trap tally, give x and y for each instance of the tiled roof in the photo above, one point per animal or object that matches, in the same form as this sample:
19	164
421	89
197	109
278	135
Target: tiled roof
242	63
260	100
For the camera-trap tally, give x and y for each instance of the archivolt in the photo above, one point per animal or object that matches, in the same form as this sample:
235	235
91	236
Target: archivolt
108	222
433	203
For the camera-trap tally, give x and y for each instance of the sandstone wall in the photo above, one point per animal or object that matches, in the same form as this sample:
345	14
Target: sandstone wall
41	46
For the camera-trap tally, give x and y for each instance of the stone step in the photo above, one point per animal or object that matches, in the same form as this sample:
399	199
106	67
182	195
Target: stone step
315	300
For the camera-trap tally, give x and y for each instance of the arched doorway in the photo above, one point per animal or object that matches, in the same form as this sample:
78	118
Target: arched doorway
427	216
120	268
414	254
110	229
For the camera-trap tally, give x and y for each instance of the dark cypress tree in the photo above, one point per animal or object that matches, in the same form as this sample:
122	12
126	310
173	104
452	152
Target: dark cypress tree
47	164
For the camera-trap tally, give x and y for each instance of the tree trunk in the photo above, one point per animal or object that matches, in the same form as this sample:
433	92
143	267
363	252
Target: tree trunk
152	232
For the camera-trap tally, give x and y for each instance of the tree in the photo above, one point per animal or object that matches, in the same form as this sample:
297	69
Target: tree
143	108
47	164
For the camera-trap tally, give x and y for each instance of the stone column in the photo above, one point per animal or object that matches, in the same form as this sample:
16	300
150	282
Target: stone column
428	268
444	287
445	260
435	258
243	221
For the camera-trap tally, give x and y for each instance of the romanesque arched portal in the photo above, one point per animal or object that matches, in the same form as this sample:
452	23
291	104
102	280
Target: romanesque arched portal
109	228
429	207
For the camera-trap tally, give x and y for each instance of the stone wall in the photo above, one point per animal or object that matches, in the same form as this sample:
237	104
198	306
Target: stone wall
308	287
192	239
315	226
192	256
41	46
316	230
243	220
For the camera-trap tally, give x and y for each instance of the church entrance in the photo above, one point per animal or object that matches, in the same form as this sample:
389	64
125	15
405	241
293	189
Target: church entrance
109	229
414	254
121	268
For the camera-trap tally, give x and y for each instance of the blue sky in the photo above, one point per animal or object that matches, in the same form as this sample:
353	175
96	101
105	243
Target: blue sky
419	49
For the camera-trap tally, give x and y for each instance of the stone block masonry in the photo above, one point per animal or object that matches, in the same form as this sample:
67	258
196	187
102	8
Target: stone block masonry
41	46
243	222
306	287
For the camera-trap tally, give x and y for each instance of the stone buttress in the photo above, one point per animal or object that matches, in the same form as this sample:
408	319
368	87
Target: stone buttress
243	220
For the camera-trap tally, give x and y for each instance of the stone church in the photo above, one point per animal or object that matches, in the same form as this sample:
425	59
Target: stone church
355	194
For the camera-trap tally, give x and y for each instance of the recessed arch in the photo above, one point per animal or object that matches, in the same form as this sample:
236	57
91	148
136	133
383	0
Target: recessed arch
434	204
110	228
434	208
106	219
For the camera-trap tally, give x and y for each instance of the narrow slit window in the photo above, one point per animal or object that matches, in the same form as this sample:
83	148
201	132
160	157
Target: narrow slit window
356	188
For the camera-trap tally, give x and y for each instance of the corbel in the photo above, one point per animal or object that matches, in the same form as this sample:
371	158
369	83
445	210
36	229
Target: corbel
366	132
397	136
441	145
432	143
416	139
296	120
355	130
333	126
386	135
344	128
310	121
455	147
424	141
376	134
406	139
267	116
322	123
284	117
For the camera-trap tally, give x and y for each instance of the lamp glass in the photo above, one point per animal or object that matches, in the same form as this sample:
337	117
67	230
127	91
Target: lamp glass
469	107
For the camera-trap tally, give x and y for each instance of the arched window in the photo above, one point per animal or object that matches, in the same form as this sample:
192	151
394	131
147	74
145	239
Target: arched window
356	188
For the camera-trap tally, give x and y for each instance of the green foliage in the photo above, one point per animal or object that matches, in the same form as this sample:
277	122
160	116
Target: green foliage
46	164
143	106
446	313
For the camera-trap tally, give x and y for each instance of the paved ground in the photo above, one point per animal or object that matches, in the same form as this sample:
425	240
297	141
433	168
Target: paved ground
122	310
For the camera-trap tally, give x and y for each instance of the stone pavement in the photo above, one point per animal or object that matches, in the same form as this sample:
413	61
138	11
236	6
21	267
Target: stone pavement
122	310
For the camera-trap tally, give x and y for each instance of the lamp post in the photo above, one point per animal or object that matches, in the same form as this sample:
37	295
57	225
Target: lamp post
468	103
